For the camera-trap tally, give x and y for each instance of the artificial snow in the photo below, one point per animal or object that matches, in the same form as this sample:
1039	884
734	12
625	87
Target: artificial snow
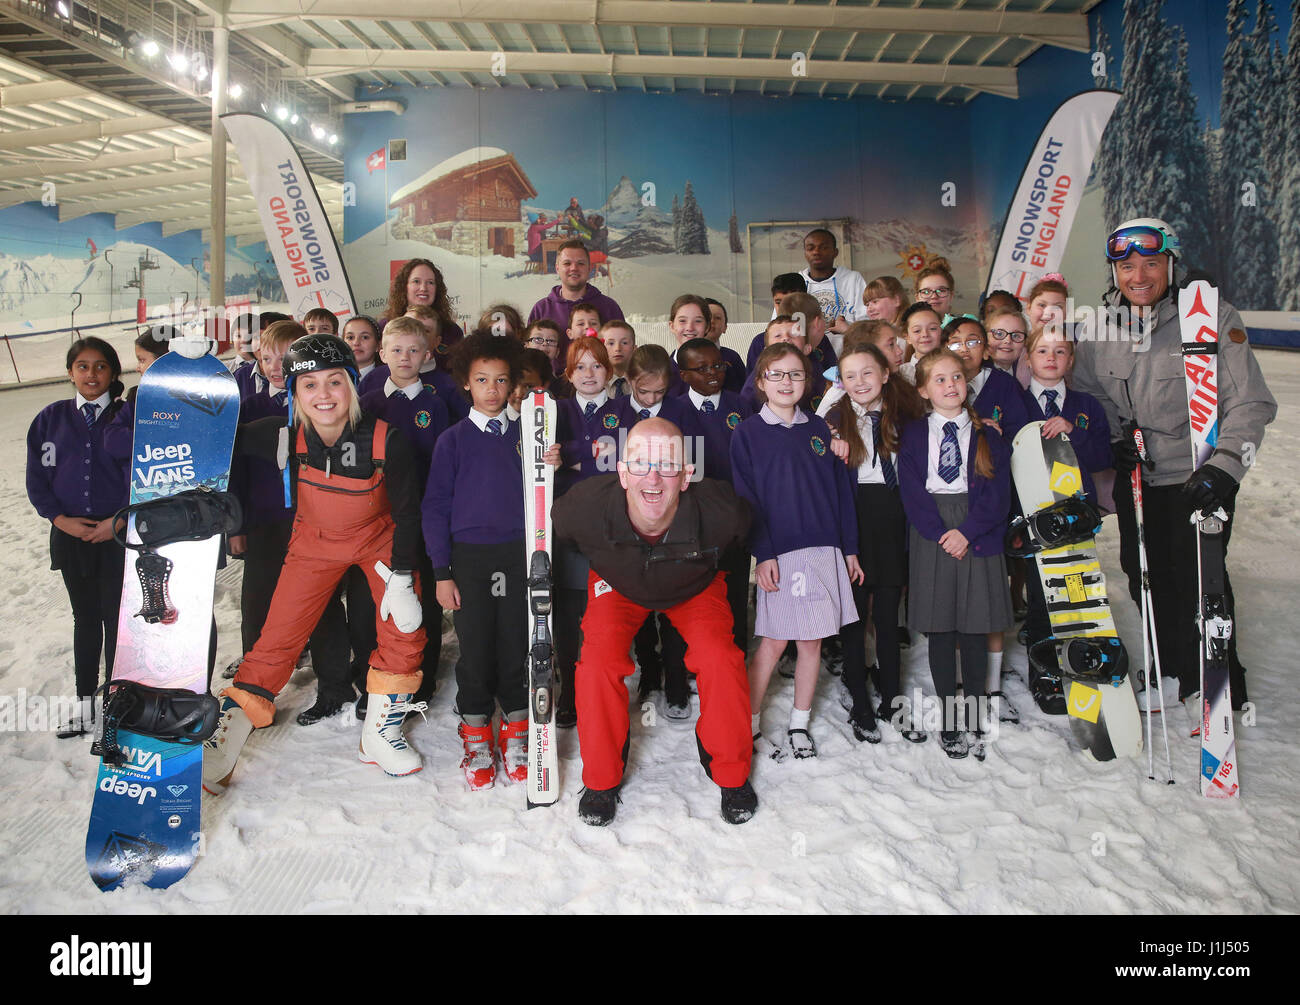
305	827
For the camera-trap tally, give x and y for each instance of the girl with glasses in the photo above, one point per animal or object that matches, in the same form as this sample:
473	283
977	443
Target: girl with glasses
804	537
934	285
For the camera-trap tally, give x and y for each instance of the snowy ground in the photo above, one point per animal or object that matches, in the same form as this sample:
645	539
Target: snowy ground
898	828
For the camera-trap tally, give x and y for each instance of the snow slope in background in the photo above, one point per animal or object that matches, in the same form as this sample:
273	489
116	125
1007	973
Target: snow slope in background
895	827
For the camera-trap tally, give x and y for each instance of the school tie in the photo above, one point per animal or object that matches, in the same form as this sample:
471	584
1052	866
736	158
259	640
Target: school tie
90	410
590	410
644	413
949	454
1050	409
620	385
494	427
708	407
886	464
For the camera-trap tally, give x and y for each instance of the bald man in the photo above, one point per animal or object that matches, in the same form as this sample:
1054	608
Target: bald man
654	546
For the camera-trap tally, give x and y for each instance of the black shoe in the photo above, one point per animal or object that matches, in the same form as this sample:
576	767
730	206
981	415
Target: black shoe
833	655
1019	613
596	807
82	721
739	803
323	709
361	707
229	672
566	718
862	732
904	638
1006	711
1022	636
954	743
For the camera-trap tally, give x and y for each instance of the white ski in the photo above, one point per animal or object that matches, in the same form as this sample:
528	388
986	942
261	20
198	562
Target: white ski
536	435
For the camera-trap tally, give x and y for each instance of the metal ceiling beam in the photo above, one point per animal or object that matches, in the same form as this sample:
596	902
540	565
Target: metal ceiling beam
995	80
1065	30
91	129
132	158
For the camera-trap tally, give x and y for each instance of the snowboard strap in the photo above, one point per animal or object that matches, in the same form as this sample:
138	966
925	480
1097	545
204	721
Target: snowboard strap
189	516
177	715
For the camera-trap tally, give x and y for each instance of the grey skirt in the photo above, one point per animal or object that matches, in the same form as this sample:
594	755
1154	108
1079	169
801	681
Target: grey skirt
947	595
813	600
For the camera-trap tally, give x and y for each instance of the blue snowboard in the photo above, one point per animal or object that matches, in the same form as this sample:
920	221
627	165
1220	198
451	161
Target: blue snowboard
144	822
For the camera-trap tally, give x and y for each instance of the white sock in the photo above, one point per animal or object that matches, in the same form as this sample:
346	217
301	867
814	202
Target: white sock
995	672
754	729
799	717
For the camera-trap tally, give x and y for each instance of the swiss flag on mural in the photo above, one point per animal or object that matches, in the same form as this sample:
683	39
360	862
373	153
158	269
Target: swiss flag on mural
375	162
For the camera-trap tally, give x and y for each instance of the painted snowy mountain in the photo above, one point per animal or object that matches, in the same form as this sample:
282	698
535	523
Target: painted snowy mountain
635	230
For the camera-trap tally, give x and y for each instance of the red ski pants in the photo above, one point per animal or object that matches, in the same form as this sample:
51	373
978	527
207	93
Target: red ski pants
315	564
705	623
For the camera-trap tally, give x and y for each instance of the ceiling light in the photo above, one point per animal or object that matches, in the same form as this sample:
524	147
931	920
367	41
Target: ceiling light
317	131
235	91
333	139
150	48
178	61
293	119
281	113
63	9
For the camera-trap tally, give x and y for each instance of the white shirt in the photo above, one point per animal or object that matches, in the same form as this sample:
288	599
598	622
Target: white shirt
364	370
870	471
976	384
410	390
772	419
652	409
100	403
583	401
1037	389
698	399
840	295
481	420
933	483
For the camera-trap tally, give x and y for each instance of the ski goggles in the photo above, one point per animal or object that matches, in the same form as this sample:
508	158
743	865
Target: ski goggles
1146	241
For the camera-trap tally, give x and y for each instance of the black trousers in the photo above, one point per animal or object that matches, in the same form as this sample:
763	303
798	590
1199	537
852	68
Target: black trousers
267	547
568	607
492	625
92	575
882	602
1171	564
943	648
432	611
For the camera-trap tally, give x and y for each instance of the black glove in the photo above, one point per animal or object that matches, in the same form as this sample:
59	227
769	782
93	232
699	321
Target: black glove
1126	456
1208	488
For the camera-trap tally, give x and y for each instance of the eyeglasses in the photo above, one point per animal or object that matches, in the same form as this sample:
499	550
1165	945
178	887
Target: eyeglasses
705	368
1146	241
937	291
640	466
538	340
970	343
1002	334
777	376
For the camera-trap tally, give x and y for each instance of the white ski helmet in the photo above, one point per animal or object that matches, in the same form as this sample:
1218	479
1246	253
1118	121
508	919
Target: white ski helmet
1170	245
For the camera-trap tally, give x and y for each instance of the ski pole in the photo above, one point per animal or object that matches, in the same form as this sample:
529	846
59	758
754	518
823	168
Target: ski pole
1150	641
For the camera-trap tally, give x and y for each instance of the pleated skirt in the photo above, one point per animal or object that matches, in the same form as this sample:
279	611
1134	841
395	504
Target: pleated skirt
814	598
946	595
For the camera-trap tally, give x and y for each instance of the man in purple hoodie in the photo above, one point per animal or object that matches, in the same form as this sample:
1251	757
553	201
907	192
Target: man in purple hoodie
573	267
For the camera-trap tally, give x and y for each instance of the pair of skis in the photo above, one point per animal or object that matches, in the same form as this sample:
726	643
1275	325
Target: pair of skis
1198	314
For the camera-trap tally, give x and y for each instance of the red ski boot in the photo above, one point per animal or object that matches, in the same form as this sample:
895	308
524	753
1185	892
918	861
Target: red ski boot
479	763
514	749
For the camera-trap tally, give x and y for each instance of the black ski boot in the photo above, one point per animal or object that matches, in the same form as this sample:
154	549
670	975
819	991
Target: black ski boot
597	806
739	803
955	744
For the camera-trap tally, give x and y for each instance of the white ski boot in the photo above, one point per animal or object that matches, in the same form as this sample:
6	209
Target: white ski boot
221	749
1195	713
382	742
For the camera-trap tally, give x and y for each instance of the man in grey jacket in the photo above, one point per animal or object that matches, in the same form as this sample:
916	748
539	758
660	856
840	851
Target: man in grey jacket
1135	369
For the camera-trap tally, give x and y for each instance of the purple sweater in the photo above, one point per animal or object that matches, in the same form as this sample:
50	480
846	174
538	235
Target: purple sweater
988	499
617	417
69	472
801	494
559	310
475	493
1091	436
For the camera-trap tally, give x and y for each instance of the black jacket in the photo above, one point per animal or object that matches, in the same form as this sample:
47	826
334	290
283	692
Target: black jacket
710	521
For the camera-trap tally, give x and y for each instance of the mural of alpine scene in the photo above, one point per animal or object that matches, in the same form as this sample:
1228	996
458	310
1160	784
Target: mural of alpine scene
1207	138
85	272
670	192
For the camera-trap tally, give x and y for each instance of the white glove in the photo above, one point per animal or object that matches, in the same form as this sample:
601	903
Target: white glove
399	599
191	346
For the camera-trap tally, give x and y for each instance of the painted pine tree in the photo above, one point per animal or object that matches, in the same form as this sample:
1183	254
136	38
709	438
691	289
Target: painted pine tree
1270	98
1183	200
733	236
677	226
1109	165
1249	248
694	234
1288	221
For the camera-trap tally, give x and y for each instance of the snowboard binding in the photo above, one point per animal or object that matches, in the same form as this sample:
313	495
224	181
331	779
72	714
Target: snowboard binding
1070	521
1090	660
177	715
190	516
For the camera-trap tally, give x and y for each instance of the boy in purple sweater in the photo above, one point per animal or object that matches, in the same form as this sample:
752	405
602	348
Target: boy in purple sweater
414	408
473	520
